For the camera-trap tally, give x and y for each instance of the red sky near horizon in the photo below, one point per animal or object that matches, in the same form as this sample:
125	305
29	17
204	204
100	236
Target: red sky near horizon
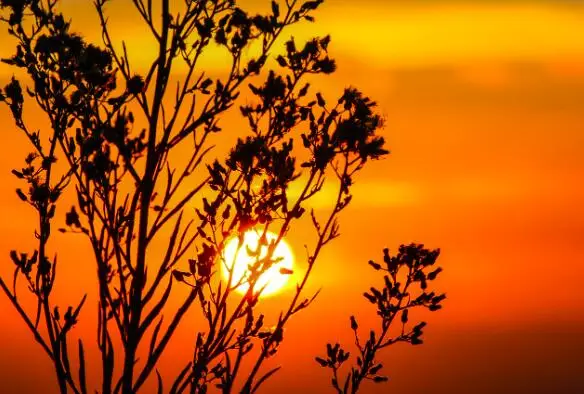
484	109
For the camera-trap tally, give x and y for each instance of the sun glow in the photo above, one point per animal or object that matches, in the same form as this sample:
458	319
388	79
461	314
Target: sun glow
238	257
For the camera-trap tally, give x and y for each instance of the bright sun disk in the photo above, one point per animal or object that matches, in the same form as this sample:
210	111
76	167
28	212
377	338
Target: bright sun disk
273	279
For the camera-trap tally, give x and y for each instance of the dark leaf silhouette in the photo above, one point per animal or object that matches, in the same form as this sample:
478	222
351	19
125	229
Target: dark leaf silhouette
113	141
397	298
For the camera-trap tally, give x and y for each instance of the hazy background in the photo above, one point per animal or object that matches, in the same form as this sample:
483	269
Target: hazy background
484	102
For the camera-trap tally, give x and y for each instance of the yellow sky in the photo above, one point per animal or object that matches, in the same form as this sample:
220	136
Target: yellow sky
410	34
456	33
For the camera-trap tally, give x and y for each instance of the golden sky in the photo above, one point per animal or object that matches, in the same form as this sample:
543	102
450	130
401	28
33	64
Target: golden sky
484	102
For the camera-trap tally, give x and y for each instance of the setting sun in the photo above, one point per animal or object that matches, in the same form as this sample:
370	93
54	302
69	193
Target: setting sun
238	256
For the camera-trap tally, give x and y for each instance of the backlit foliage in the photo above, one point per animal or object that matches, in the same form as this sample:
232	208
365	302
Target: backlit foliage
111	141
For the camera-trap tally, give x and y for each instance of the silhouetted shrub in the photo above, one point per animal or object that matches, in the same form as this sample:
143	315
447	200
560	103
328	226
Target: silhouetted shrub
113	132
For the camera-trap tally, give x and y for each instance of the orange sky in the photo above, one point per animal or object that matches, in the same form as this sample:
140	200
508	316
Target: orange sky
484	107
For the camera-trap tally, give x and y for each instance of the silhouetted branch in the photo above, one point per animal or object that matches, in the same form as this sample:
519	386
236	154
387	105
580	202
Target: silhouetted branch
410	267
128	193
